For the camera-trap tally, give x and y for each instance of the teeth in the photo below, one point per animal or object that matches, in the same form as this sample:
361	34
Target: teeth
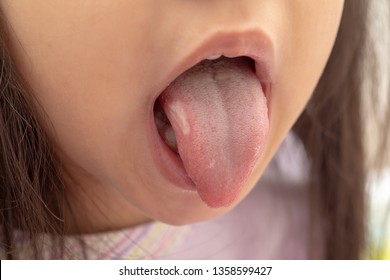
170	138
214	57
164	127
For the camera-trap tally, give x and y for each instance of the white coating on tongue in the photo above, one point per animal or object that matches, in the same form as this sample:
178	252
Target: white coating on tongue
218	112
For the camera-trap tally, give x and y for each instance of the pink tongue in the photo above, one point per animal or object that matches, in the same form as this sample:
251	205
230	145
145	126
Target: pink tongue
218	112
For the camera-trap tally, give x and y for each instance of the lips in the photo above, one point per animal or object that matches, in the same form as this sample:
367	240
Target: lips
210	161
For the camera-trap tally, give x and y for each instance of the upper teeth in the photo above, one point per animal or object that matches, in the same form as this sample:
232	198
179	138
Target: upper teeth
214	57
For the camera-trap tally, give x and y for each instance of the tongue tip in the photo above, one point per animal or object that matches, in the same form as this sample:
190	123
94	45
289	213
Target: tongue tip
217	193
222	202
219	198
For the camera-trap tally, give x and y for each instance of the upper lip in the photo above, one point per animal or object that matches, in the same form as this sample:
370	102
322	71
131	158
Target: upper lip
252	43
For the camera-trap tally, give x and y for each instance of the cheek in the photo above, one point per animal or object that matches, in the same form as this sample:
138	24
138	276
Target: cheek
90	94
304	56
304	52
301	55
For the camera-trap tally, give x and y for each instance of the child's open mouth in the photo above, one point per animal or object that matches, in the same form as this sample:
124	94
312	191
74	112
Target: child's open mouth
211	77
214	116
214	119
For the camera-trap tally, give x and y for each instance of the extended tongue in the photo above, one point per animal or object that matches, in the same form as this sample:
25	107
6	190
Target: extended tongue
218	112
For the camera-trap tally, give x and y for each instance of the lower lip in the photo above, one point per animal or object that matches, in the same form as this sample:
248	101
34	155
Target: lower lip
168	162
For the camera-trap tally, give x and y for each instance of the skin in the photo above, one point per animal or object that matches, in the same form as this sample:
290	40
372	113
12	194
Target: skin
92	66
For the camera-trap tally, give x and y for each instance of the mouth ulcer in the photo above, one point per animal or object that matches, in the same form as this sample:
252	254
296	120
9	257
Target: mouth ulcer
215	117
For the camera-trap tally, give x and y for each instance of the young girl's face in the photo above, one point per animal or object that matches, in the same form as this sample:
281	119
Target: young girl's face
98	67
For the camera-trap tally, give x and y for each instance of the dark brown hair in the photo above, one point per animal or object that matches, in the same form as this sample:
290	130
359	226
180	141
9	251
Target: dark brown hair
31	191
32	194
332	128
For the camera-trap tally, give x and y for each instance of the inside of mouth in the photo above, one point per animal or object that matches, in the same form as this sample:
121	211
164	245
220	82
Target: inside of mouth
164	127
163	124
